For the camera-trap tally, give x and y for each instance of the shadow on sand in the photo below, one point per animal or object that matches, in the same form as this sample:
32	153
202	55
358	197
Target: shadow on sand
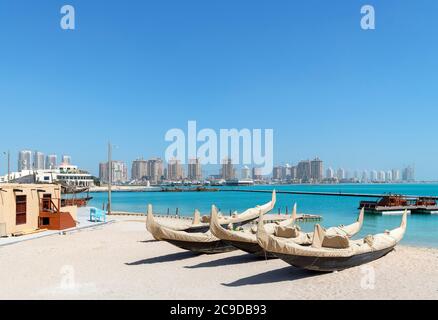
148	241
167	258
245	258
279	275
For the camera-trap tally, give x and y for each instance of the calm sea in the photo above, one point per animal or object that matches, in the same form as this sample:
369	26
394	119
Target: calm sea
422	229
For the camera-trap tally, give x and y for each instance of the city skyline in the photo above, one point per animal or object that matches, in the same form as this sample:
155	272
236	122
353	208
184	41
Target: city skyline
154	169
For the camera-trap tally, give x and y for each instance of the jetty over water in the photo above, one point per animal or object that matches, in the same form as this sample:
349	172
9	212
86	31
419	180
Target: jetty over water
269	218
335	194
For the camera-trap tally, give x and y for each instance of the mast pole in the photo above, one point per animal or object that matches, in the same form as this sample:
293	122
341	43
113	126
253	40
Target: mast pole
109	176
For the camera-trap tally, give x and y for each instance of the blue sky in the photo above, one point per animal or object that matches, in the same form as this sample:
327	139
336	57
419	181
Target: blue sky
134	69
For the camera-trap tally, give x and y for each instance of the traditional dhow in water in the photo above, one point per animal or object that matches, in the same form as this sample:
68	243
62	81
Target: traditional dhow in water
332	252
246	239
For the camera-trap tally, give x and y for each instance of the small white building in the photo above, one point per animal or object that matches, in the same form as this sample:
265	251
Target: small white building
64	174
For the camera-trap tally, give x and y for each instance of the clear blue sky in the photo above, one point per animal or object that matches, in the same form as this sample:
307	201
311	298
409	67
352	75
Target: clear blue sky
134	69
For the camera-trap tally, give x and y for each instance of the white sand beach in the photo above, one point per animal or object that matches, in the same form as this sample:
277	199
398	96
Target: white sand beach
122	261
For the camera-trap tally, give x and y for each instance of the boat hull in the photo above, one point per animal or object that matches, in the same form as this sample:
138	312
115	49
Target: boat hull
212	247
205	228
330	264
252	248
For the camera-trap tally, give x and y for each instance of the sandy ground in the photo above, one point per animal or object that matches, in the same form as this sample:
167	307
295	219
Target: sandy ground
122	261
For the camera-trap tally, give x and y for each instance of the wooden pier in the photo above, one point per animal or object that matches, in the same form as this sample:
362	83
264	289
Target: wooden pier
333	194
269	218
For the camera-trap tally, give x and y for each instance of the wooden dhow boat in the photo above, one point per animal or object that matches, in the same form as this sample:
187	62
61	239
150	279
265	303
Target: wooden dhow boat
237	220
197	242
204	242
201	224
332	252
246	239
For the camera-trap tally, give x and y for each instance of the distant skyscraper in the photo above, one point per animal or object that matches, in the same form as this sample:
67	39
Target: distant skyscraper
373	176
409	174
287	172
228	172
51	161
119	172
66	160
39	161
340	174
194	170
293	172
304	171
395	175
316	170
381	176
257	174
139	170
277	173
155	170
174	170
246	173
25	160
103	172
329	174
388	176
364	178
356	175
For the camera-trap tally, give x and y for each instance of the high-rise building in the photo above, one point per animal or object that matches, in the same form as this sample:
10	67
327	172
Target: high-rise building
304	171
316	170
277	173
340	174
364	178
330	173
155	170
25	160
119	172
39	161
373	176
293	172
66	160
246	173
103	172
257	174
51	161
409	174
381	176
228	172
388	176
395	175
139	170
356	175
175	170
194	170
286	172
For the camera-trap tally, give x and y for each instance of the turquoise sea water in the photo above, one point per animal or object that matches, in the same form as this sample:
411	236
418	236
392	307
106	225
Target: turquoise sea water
422	229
